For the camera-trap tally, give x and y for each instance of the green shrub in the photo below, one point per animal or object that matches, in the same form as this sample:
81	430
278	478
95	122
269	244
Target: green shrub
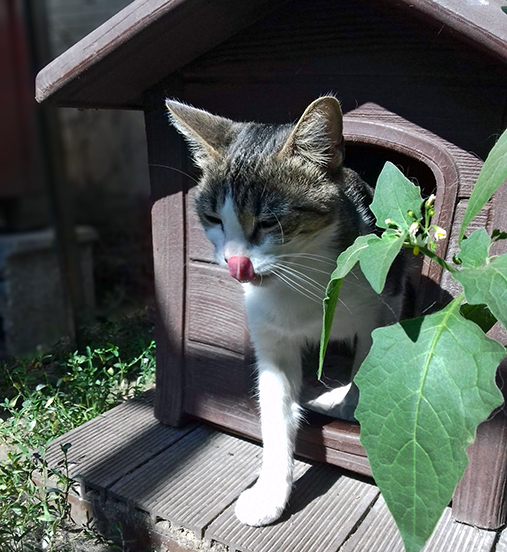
46	397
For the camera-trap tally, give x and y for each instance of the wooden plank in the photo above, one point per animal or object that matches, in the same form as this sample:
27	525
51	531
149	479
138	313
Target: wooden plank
110	64
319	438
139	46
468	123
322	35
199	247
115	443
168	224
215	308
214	370
378	532
323	497
476	22
193	481
502	542
480	498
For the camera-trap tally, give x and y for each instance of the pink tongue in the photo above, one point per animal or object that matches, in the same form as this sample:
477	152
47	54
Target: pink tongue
242	269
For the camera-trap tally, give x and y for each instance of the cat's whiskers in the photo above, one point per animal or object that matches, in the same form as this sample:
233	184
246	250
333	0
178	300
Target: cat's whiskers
301	276
349	281
308	279
311	256
279	224
296	286
291	279
173	169
309	267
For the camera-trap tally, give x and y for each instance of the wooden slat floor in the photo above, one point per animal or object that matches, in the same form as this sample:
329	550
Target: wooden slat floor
188	479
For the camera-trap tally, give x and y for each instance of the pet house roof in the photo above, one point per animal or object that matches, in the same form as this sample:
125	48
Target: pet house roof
150	39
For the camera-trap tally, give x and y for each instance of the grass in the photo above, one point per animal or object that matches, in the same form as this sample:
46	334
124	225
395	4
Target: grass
47	396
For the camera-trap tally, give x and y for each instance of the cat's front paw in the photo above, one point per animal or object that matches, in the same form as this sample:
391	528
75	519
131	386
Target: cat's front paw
260	506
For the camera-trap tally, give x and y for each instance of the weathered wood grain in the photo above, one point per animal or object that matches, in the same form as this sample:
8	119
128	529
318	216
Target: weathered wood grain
192	482
191	478
106	448
149	39
168	223
321	35
481	496
322	497
199	247
378	532
478	23
502	542
319	438
215	307
108	68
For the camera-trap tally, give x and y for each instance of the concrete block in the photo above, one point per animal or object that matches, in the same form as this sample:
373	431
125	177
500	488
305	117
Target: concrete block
33	309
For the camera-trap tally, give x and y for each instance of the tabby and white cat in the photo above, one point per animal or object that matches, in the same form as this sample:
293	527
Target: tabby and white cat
279	207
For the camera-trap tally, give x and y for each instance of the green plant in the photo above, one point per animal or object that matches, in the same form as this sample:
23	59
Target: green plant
427	383
86	384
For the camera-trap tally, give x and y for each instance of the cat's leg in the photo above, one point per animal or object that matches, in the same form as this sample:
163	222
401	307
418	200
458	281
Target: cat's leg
347	406
279	383
341	402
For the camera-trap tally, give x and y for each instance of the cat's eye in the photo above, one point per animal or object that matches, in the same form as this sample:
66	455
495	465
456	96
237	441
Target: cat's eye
267	224
215	221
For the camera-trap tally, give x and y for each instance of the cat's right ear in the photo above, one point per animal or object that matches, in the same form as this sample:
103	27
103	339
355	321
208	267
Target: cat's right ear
318	135
206	134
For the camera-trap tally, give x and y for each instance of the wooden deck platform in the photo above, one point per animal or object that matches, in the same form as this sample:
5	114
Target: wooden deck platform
177	487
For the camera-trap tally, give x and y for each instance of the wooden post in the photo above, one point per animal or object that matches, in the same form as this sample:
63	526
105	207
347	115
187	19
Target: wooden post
169	239
480	498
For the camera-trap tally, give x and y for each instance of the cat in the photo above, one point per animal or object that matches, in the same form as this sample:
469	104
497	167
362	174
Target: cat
279	207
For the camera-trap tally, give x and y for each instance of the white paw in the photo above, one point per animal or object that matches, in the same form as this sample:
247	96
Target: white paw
260	505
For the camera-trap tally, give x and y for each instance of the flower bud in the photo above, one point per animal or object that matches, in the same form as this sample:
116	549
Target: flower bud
431	200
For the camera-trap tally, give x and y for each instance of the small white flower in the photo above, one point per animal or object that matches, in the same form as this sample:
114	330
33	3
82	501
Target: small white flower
431	200
440	233
413	229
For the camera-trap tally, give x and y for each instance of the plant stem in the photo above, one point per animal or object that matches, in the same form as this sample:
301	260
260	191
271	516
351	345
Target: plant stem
434	257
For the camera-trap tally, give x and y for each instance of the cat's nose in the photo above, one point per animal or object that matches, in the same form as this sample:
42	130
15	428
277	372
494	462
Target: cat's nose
242	269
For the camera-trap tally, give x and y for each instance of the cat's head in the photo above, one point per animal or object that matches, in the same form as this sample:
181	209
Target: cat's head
265	190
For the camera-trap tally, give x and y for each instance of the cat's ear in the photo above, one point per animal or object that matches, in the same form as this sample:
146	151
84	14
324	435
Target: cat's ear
318	135
206	134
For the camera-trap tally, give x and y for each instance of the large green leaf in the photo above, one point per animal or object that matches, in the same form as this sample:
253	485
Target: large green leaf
345	263
474	250
424	387
488	285
395	196
492	176
348	258
329	303
377	259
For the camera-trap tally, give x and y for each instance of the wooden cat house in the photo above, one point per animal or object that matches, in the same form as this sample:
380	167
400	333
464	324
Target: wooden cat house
422	83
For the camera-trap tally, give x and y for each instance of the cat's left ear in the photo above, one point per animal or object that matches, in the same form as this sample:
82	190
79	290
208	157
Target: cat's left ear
207	135
318	135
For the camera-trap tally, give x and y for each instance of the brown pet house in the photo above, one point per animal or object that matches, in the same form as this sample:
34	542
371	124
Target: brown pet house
423	84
